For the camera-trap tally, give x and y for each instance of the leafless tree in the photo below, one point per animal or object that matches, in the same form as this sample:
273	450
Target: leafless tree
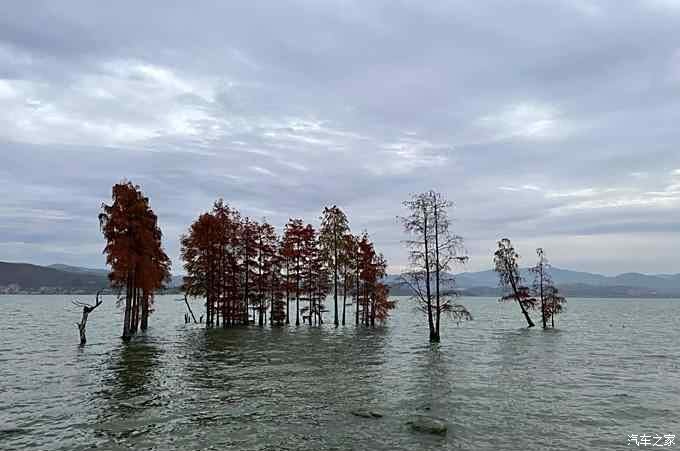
87	309
433	249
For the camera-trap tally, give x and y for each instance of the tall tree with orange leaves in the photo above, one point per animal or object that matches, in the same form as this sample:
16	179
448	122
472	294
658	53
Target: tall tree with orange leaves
373	300
211	253
134	252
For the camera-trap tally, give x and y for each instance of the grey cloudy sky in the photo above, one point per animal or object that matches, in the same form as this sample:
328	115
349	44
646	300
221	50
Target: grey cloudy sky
555	123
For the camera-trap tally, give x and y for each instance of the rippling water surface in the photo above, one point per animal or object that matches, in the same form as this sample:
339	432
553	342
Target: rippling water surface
612	368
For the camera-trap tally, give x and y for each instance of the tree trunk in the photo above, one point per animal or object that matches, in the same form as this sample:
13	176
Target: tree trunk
82	325
87	309
287	294
366	305
145	311
530	323
335	282
542	299
128	308
344	297
186	301
430	322
437	269
138	304
358	283
513	284
297	303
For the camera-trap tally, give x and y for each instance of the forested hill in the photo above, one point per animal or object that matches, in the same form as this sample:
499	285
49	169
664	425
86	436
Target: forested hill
55	279
24	277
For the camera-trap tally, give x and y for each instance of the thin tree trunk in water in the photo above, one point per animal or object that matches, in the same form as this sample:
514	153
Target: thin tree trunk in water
430	322
297	288
356	310
133	307
287	294
87	309
344	297
260	300
145	311
246	315
138	309
335	283
128	307
437	268
318	308
373	313
133	312
530	323
186	301
208	311
297	302
82	325
542	300
518	299
260	313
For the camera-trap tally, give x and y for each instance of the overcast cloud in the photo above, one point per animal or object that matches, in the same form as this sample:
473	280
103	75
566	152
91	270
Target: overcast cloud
555	123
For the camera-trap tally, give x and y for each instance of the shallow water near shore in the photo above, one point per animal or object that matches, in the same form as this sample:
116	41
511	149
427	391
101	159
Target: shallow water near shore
610	369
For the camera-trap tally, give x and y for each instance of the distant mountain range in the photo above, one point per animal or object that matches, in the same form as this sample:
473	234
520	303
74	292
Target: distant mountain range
571	283
55	279
59	278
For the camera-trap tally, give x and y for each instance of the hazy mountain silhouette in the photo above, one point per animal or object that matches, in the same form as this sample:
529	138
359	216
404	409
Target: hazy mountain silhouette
573	283
66	278
24	276
56	278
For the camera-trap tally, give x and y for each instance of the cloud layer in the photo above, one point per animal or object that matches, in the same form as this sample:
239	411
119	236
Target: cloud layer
555	124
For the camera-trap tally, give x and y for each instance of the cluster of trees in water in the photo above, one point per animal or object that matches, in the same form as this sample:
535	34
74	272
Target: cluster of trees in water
542	295
434	249
241	266
246	272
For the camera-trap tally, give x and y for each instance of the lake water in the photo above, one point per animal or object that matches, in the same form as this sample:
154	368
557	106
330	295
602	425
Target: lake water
612	368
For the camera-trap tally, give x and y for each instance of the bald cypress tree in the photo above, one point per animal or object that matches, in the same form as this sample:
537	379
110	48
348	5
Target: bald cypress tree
506	265
334	226
551	302
433	249
134	252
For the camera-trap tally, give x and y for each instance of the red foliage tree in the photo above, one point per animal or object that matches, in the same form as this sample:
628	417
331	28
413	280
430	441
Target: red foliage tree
211	259
239	265
134	252
291	251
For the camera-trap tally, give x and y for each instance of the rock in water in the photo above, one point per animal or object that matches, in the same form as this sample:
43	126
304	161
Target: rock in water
430	425
365	413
